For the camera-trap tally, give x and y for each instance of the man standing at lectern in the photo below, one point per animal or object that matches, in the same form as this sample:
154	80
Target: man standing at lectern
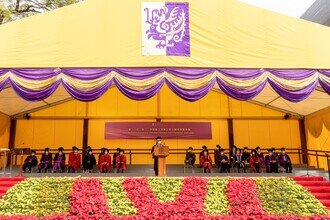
159	144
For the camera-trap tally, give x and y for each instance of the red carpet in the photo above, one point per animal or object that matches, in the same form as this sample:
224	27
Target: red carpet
8	182
317	186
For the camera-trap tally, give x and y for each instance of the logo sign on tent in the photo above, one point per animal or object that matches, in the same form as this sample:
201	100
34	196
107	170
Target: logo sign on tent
165	29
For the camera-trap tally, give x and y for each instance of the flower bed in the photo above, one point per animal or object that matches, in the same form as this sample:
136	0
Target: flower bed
165	189
284	196
38	197
118	201
216	202
160	198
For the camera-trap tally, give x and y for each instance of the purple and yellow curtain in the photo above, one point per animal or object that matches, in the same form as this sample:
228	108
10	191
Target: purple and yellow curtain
88	84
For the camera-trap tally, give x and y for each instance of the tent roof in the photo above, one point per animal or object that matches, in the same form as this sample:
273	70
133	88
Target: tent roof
107	33
13	105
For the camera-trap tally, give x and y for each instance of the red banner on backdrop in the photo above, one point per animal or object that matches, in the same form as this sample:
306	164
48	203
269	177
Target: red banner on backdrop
151	130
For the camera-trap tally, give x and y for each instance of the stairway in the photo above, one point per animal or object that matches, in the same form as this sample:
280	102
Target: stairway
7	182
316	186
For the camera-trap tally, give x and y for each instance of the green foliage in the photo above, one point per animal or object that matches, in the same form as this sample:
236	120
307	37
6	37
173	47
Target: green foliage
216	201
118	201
284	196
37	196
15	9
166	189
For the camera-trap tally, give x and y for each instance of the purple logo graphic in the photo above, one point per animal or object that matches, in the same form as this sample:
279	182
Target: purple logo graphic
165	29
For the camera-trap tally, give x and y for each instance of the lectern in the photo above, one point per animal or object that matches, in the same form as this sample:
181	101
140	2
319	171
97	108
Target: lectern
161	152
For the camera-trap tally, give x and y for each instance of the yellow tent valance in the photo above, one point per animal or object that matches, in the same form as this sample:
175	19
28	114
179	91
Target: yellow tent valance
107	33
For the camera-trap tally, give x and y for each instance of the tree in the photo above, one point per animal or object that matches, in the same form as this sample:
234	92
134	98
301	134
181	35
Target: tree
15	9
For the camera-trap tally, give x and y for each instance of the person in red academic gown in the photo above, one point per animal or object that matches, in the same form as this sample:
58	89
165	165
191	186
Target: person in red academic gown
255	162
121	162
74	160
206	161
105	162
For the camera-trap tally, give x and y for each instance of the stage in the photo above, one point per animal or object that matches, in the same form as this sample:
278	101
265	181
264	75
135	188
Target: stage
176	171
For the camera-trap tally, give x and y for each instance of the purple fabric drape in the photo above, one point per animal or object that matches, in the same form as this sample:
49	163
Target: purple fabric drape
139	95
241	73
292	73
31	95
241	94
190	95
36	74
139	73
189	73
3	71
323	83
294	95
87	96
87	74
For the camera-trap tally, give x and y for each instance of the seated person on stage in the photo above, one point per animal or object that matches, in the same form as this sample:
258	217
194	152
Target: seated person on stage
217	152
239	163
260	155
89	161
204	148
285	161
232	153
246	155
121	162
59	160
206	162
274	152
74	160
45	161
84	156
101	153
105	162
223	162
30	162
115	155
255	162
190	157
271	162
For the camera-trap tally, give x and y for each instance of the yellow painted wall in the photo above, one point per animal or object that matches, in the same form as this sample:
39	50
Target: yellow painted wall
317	128
4	134
267	134
63	124
39	134
4	130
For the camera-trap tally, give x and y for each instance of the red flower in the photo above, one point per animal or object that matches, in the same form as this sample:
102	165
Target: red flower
188	205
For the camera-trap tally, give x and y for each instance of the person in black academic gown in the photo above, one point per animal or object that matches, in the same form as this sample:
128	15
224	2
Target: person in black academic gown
285	161
271	163
30	162
222	162
84	156
45	161
239	163
158	143
59	160
89	161
115	155
190	157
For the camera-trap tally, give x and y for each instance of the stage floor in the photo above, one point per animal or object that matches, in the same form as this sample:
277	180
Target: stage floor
175	171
